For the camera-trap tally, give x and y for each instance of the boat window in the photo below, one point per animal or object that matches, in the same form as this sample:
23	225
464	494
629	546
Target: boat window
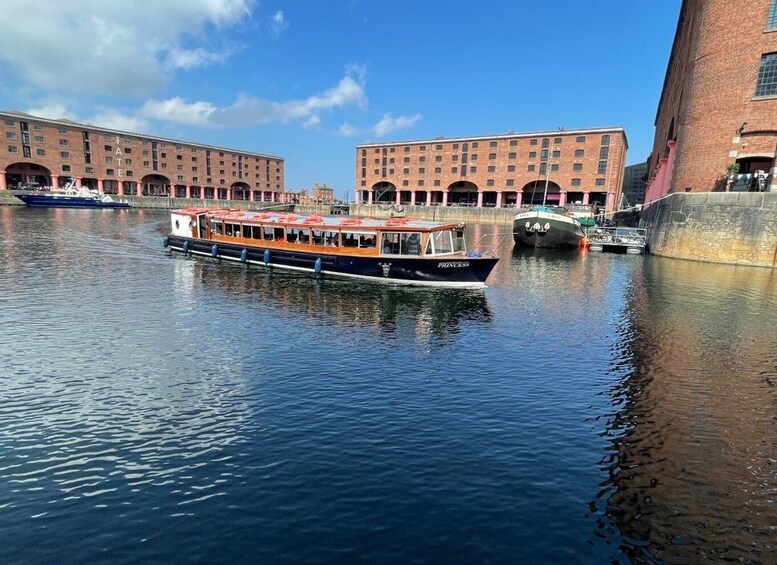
361	240
268	233
458	241
443	242
256	232
318	237
332	238
304	236
292	235
279	234
217	228
410	243
389	243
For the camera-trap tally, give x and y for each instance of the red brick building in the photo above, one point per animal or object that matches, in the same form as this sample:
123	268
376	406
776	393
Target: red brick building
320	195
558	167
39	152
718	106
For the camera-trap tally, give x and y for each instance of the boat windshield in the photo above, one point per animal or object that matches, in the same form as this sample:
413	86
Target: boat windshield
446	241
400	243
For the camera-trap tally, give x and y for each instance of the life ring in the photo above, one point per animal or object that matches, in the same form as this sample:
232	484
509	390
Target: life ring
313	220
350	221
396	221
287	218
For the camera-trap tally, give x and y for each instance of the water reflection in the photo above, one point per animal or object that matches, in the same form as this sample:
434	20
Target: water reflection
428	312
692	461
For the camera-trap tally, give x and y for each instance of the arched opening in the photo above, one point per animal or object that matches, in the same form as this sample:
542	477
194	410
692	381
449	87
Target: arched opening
384	193
156	185
541	192
463	193
753	174
27	176
241	191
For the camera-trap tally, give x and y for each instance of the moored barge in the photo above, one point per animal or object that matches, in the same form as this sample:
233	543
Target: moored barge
395	250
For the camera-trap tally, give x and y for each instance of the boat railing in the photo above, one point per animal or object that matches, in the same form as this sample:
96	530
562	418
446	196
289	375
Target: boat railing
490	247
617	235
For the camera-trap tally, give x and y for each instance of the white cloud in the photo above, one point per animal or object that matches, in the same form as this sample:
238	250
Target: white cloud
387	124
347	130
112	47
113	119
279	23
179	111
251	110
53	111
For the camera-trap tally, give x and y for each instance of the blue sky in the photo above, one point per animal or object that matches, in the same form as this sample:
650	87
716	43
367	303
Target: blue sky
310	80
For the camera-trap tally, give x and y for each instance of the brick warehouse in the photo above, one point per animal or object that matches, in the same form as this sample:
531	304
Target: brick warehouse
514	169
718	106
39	152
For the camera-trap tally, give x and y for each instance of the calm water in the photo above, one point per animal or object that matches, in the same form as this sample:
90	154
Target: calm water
588	408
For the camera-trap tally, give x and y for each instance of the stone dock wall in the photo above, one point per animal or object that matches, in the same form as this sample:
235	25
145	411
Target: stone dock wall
718	227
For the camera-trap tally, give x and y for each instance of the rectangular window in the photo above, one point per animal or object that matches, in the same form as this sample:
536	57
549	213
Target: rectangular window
604	152
602	168
490	182
38	139
545	142
767	76
491	169
577	166
13	149
605	140
40	151
556	154
513	142
109	172
26	150
510	168
510	182
109	159
580	139
10	135
530	168
437	170
575	182
533	142
454	170
512	155
543	154
771	23
9	122
492	144
474	145
64	154
37	127
492	156
557	141
421	170
599	182
65	168
532	154
89	170
473	169
579	152
438	147
554	167
543	168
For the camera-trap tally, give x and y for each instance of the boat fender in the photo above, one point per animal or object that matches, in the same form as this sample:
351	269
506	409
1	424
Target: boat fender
546	227
244	256
165	241
317	267
266	256
528	226
186	247
214	251
474	254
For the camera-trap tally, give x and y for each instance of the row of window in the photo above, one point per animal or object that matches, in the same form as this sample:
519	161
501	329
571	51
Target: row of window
605	140
578	167
579	153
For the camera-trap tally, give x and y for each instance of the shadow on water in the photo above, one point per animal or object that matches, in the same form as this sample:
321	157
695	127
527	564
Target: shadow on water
345	302
692	456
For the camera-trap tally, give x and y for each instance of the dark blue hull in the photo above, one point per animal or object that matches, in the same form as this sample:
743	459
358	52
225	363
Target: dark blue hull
441	271
67	201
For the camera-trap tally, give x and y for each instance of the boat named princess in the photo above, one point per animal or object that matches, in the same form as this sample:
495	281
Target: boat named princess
396	250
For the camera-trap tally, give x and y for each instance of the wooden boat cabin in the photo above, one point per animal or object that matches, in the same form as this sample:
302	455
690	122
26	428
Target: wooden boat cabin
396	250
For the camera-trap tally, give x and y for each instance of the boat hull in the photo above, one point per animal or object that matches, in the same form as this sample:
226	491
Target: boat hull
546	230
461	272
67	201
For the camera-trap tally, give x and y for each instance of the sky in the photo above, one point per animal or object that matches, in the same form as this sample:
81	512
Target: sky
310	80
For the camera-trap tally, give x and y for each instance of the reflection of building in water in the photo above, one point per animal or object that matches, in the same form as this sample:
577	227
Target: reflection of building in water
692	460
434	313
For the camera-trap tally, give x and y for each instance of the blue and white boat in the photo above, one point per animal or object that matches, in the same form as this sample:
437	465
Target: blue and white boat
70	197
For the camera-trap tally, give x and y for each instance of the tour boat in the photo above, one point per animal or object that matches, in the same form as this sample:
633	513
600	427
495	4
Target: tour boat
546	226
70	197
395	250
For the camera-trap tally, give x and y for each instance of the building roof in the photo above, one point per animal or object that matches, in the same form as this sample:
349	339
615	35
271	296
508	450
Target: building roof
508	135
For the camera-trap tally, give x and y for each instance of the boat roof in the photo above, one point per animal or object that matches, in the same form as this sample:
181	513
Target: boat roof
317	221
